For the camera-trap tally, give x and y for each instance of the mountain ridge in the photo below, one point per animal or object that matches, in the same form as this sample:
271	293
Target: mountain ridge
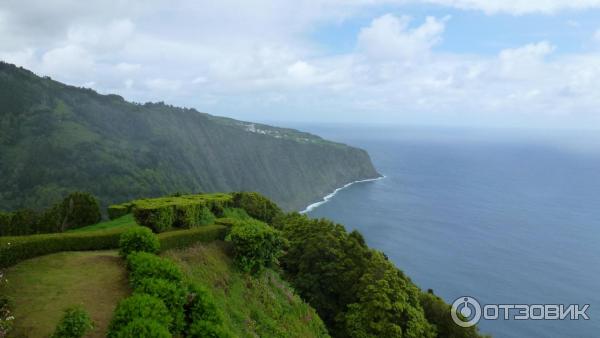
55	138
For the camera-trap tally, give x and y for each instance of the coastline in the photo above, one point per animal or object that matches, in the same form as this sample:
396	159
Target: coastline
326	199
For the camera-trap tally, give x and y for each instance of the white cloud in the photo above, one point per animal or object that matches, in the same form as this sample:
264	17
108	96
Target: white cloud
519	7
244	59
389	37
596	36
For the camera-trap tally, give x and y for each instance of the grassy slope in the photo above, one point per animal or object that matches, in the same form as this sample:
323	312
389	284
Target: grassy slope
121	222
262	306
41	288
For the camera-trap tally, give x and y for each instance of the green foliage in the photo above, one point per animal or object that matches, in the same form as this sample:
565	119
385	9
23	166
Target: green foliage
255	245
184	238
387	304
438	312
185	211
76	210
119	210
138	239
139	306
355	290
74	324
6	317
143	328
236	213
206	329
256	205
250	305
173	294
79	209
201	306
62	138
16	249
145	265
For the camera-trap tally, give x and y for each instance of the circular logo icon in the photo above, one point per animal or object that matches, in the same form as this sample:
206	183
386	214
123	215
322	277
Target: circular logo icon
466	311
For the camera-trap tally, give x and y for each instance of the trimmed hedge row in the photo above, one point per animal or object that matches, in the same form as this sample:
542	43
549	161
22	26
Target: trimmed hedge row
119	210
165	213
183	238
16	249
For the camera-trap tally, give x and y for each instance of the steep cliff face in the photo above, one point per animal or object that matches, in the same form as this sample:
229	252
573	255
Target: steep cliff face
56	138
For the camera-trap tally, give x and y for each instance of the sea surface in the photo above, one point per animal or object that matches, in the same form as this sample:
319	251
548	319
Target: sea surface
507	217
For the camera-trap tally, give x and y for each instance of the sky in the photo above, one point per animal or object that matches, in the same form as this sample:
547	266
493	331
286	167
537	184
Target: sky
498	63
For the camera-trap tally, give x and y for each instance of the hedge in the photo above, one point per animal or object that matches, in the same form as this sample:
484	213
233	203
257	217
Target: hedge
119	210
186	211
139	306
256	205
18	248
183	238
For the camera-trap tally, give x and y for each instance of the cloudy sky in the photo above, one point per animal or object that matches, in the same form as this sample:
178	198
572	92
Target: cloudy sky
525	63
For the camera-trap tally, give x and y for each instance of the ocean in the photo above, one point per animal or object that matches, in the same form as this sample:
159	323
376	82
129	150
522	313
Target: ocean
504	216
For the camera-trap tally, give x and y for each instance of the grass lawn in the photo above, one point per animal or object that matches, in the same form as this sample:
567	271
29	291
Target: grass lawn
263	306
124	222
41	288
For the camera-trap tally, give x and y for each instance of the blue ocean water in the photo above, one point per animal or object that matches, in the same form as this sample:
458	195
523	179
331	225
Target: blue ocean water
508	217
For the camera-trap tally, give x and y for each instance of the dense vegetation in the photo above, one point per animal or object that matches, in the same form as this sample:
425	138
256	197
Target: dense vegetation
357	291
76	210
56	138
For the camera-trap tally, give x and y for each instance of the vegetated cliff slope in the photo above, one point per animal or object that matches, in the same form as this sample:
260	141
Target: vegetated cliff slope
56	138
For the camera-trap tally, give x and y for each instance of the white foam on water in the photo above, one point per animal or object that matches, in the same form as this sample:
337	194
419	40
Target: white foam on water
330	196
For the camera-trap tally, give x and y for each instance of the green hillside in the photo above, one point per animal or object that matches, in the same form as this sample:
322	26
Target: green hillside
56	138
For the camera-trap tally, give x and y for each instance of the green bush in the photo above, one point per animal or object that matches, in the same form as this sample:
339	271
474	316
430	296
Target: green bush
5	223
145	265
23	222
139	306
138	239
173	294
78	210
162	214
159	218
18	248
185	238
143	328
255	244
201	306
189	215
205	329
119	210
75	323
256	205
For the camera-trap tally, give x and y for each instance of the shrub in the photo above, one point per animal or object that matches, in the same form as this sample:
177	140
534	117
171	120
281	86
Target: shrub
201	306
78	210
193	214
138	239
6	317
74	324
185	238
256	205
119	210
255	245
16	249
139	306
205	329
159	217
143	328
236	213
145	265
173	294
23	222
5	221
